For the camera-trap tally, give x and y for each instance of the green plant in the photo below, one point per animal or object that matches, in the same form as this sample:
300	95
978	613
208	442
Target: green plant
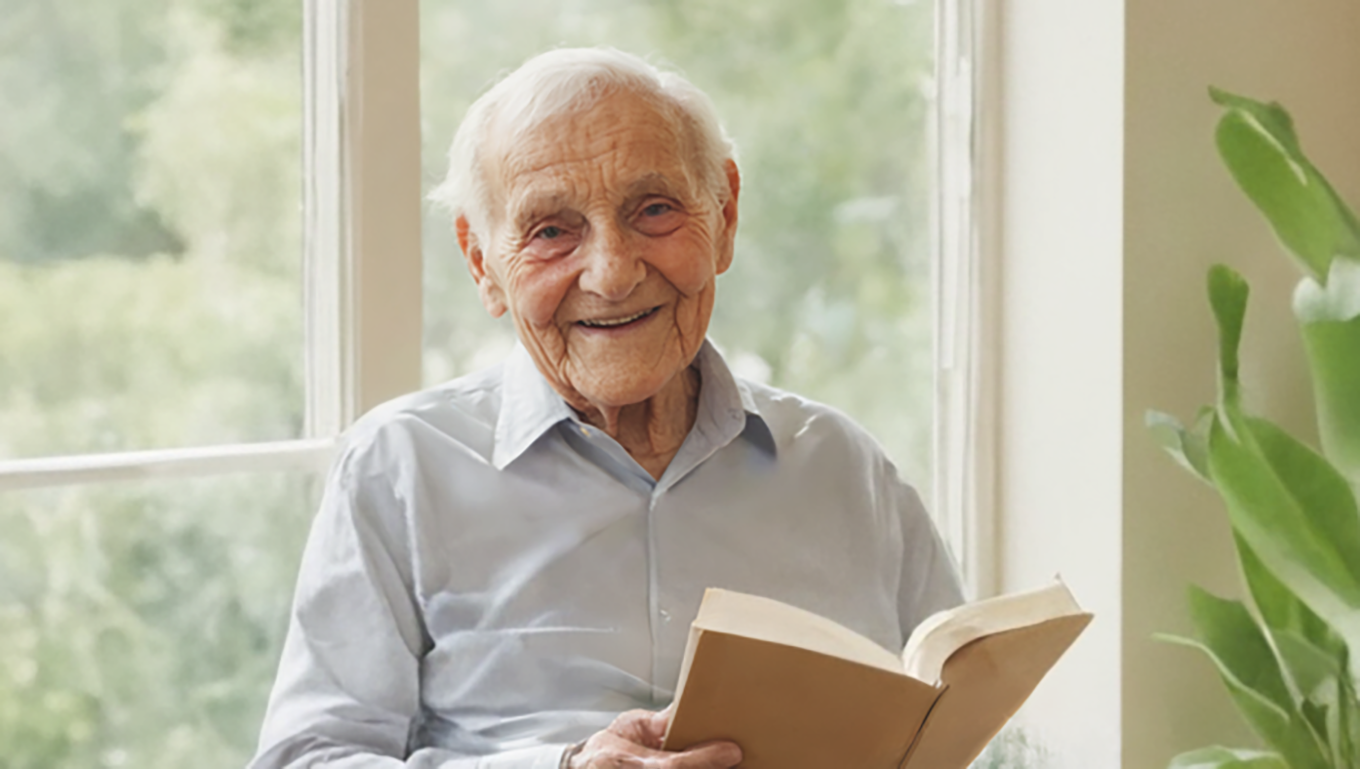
1286	659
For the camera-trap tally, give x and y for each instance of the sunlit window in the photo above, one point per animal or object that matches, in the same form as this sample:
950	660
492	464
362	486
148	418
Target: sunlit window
150	200
140	624
150	298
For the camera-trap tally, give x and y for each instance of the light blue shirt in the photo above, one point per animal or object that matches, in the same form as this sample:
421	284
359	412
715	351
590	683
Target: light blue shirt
490	579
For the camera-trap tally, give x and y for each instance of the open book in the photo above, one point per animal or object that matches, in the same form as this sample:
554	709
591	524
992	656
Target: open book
798	691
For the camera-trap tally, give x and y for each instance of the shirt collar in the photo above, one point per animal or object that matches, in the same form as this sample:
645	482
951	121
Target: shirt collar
530	406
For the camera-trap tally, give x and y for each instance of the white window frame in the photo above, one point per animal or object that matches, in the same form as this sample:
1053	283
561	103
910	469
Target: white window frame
362	277
362	256
966	297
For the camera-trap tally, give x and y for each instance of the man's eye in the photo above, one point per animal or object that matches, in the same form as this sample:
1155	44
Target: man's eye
657	209
549	233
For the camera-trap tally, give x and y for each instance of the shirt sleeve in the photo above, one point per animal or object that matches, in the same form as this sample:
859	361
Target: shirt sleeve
348	687
929	580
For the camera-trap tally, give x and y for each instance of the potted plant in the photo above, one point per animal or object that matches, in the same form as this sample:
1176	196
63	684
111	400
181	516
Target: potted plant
1287	657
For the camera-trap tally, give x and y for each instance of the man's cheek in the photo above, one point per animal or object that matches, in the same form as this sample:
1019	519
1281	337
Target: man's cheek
693	281
537	313
539	304
689	270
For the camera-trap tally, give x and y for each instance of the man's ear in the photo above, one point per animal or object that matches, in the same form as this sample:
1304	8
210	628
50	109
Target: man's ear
493	299
729	213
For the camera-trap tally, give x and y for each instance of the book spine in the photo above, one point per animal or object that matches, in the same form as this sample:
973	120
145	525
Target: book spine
920	731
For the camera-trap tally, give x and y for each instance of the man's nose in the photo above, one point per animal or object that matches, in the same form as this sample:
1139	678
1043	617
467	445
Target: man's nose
613	268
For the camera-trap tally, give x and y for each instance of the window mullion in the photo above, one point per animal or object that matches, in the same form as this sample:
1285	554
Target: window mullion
363	258
966	227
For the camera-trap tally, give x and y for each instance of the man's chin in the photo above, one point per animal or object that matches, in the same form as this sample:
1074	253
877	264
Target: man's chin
617	398
621	390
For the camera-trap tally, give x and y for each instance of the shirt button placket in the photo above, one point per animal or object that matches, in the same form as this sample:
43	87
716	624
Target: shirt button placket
657	616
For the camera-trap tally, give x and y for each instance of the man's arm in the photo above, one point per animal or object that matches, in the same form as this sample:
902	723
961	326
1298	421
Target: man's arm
929	580
348	686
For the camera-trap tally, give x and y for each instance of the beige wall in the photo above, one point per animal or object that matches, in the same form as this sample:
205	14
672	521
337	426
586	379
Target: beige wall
1114	204
1182	213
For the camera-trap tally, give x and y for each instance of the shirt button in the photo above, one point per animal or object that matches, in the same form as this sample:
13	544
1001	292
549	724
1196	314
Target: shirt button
665	616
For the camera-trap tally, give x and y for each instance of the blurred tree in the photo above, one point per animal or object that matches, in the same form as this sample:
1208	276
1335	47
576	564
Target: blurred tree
149	297
140	625
70	75
117	350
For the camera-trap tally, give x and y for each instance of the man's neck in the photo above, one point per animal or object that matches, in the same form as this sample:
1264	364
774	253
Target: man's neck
653	430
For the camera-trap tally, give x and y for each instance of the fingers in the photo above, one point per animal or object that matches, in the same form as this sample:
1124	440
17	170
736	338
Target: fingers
709	755
624	755
661	721
606	750
633	741
638	726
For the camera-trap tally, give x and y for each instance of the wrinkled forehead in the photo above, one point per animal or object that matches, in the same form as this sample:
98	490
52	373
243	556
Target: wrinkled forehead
620	134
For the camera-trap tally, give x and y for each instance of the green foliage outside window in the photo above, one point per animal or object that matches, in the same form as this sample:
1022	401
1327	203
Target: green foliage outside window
150	297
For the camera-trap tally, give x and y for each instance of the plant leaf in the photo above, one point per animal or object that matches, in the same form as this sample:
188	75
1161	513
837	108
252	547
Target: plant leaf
1274	118
1237	647
1227	629
1311	655
1280	608
1338	300
1348	731
1258	143
1269	720
1225	758
1334	352
1190	448
1332	341
1316	677
1295	511
1228	293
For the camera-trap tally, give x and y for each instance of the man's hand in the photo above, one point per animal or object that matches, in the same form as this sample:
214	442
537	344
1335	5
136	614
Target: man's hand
633	741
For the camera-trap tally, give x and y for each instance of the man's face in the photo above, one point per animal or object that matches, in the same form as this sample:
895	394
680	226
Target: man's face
603	250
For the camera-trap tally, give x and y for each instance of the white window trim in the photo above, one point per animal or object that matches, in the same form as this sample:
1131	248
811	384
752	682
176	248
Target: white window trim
290	456
966	277
363	170
362	260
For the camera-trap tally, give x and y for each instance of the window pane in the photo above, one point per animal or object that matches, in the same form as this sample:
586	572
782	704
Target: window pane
828	101
140	624
149	224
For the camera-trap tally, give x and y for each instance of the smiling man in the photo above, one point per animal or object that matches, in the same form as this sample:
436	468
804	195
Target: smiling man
605	252
503	568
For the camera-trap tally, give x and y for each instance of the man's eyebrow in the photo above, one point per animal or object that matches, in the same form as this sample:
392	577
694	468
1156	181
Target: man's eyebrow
652	184
533	205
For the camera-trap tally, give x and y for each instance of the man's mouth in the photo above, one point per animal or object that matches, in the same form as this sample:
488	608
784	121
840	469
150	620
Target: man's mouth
616	322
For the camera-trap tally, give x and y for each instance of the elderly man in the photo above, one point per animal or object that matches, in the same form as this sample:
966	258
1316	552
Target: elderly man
504	564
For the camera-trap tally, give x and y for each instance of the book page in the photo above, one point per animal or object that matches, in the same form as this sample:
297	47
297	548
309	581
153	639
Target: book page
985	683
944	633
766	619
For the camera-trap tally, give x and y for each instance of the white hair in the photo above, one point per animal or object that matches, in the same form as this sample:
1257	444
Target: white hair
569	81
